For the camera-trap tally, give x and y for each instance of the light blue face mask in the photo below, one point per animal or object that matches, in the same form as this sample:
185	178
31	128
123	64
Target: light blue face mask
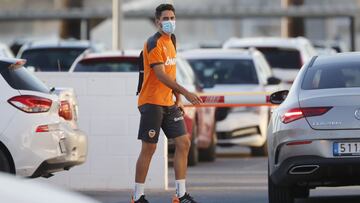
168	26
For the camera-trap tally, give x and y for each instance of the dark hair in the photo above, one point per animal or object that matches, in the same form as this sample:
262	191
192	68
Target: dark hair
163	7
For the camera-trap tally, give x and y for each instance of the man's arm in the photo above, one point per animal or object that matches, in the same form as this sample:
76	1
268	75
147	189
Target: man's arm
165	79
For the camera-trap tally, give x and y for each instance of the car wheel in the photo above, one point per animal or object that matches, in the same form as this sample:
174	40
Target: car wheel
193	157
278	194
209	154
4	163
260	151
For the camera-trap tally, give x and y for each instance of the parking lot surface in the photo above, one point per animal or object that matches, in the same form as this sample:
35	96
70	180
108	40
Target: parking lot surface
232	178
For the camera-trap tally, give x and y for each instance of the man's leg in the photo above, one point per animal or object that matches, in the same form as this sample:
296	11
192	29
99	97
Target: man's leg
149	129
182	146
142	167
143	162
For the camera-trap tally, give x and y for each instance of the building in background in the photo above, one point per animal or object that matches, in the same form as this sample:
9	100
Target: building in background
191	33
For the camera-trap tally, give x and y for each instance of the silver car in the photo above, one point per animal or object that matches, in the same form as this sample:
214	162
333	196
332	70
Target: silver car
314	135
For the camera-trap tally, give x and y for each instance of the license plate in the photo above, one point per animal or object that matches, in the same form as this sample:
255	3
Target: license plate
62	146
346	148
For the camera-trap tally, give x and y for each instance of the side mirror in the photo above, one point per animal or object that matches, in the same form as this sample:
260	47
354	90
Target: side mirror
278	97
273	81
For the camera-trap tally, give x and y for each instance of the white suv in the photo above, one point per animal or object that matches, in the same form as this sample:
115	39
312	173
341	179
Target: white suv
285	55
222	71
36	138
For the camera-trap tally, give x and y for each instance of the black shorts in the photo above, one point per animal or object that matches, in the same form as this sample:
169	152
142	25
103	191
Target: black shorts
154	117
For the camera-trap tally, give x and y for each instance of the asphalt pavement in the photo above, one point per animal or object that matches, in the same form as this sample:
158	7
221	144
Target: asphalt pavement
234	177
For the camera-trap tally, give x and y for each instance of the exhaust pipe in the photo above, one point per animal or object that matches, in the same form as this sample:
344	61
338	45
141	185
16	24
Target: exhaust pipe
303	169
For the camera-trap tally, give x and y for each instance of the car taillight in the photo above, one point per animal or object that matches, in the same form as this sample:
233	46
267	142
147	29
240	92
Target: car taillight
31	104
297	113
65	110
42	129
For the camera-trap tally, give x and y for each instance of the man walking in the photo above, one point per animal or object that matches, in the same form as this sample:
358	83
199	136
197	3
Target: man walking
157	108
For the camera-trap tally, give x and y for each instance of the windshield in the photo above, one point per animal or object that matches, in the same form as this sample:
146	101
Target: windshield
51	59
282	58
115	64
328	76
225	71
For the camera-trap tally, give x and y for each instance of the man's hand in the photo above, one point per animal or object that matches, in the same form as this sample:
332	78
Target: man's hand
193	98
180	105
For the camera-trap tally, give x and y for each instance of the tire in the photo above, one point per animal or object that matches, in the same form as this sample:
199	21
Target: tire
278	194
259	151
4	163
193	157
209	154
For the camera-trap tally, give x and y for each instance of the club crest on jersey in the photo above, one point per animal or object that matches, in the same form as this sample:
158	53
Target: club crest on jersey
170	61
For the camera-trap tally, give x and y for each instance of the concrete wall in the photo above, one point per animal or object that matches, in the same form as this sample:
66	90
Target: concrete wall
108	114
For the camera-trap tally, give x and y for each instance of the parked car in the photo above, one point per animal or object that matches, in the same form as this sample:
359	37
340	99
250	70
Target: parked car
53	55
36	138
123	61
199	121
202	124
223	71
285	55
313	136
36	192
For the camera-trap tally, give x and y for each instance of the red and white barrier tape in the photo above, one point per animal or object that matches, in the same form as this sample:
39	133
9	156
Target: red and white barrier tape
234	99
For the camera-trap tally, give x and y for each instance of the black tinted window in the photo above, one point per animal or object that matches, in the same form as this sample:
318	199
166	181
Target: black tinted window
282	58
108	65
22	79
225	71
51	59
332	76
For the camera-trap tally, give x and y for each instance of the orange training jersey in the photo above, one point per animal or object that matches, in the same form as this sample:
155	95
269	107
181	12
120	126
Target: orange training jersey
159	49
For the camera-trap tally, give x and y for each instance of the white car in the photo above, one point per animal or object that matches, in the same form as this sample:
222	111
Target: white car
54	55
285	55
235	70
36	137
20	190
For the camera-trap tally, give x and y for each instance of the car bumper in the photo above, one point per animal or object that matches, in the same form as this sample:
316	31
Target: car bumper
51	152
313	171
247	136
241	128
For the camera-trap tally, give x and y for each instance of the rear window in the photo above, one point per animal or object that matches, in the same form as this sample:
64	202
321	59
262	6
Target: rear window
282	58
51	59
124	64
332	76
225	71
22	79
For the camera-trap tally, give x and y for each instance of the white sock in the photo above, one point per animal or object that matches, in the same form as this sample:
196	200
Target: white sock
139	191
180	187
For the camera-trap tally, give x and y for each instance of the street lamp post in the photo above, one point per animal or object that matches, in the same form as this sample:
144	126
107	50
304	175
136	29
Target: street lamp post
117	19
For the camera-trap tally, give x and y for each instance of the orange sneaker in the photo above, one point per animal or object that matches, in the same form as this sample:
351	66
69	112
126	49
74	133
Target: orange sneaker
175	199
